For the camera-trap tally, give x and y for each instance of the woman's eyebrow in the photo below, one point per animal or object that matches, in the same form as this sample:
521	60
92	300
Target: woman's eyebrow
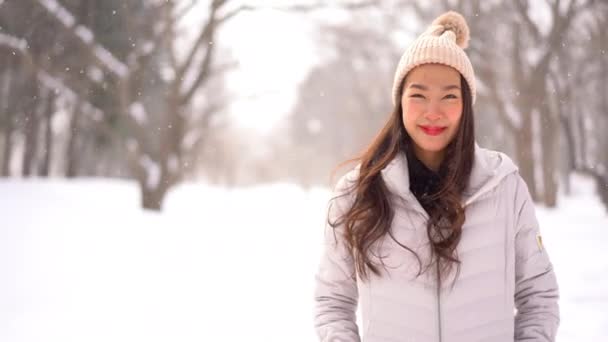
450	87
423	87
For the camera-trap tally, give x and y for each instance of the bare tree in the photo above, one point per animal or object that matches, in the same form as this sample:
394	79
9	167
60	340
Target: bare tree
32	80
528	71
343	102
150	83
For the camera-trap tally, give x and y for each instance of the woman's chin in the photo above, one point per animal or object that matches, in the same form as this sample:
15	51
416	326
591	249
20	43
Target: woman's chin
431	146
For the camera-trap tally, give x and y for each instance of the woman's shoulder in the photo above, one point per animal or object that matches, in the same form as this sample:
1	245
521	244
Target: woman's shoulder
491	169
342	190
510	184
494	160
498	163
348	180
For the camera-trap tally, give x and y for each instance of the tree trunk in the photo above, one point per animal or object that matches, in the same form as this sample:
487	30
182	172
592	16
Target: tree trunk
525	157
153	179
31	131
582	133
6	120
152	199
549	143
7	147
7	153
602	188
48	135
570	142
71	153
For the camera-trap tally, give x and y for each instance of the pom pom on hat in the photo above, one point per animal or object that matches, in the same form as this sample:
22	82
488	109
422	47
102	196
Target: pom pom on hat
455	22
443	42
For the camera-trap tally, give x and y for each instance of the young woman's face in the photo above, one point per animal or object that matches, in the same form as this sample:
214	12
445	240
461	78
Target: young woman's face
432	107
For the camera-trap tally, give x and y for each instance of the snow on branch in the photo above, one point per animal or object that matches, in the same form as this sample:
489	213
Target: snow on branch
13	42
48	81
62	14
53	83
152	171
138	112
86	36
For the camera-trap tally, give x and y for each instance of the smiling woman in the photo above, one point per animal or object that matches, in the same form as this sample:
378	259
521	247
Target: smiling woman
434	236
432	107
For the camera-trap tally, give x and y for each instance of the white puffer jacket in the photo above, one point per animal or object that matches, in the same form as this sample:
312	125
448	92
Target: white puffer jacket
504	267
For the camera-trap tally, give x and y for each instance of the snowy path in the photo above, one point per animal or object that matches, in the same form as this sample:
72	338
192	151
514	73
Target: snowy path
79	261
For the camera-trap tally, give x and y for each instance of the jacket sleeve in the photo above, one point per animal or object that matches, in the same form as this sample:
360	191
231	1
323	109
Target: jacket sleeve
336	294
536	290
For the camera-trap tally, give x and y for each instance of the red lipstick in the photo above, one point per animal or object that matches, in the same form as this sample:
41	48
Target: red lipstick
432	130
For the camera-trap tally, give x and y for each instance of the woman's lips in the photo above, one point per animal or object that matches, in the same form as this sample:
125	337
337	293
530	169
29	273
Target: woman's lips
432	130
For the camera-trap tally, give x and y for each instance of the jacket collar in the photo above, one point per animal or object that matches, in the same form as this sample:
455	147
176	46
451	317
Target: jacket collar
489	168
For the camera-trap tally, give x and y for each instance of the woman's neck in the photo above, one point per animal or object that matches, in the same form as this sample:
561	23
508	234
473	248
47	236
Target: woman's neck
432	160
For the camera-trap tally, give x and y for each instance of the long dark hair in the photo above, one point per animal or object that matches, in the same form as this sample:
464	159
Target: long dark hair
370	215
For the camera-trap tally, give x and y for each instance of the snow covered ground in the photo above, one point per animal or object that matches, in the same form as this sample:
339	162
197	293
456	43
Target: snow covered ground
79	261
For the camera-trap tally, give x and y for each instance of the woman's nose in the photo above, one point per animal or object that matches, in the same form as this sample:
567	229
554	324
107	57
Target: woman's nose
433	113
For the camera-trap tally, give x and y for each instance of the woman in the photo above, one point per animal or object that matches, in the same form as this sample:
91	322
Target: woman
435	238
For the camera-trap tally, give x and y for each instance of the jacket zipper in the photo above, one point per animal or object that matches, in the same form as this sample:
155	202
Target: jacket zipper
425	217
439	305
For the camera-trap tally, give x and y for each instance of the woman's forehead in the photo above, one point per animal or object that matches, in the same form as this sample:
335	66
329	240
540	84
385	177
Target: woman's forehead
433	75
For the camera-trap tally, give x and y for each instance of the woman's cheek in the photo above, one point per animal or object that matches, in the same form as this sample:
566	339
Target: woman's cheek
412	107
454	112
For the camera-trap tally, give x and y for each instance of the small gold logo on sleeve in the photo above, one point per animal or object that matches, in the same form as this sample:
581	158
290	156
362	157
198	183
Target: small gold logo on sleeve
539	242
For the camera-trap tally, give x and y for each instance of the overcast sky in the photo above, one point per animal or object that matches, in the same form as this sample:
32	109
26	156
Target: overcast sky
275	50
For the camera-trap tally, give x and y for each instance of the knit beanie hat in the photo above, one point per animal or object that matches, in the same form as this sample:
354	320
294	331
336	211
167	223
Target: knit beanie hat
443	42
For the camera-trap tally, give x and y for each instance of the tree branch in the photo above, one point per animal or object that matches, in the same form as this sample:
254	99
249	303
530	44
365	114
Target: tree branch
179	15
205	35
522	6
321	5
46	79
487	76
298	8
202	77
101	55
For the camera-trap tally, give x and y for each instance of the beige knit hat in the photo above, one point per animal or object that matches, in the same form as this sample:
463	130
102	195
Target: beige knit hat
443	42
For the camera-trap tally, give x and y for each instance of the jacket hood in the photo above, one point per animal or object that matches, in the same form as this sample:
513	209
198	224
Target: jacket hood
489	169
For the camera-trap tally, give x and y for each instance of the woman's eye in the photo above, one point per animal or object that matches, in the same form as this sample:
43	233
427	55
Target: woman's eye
417	95
450	96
